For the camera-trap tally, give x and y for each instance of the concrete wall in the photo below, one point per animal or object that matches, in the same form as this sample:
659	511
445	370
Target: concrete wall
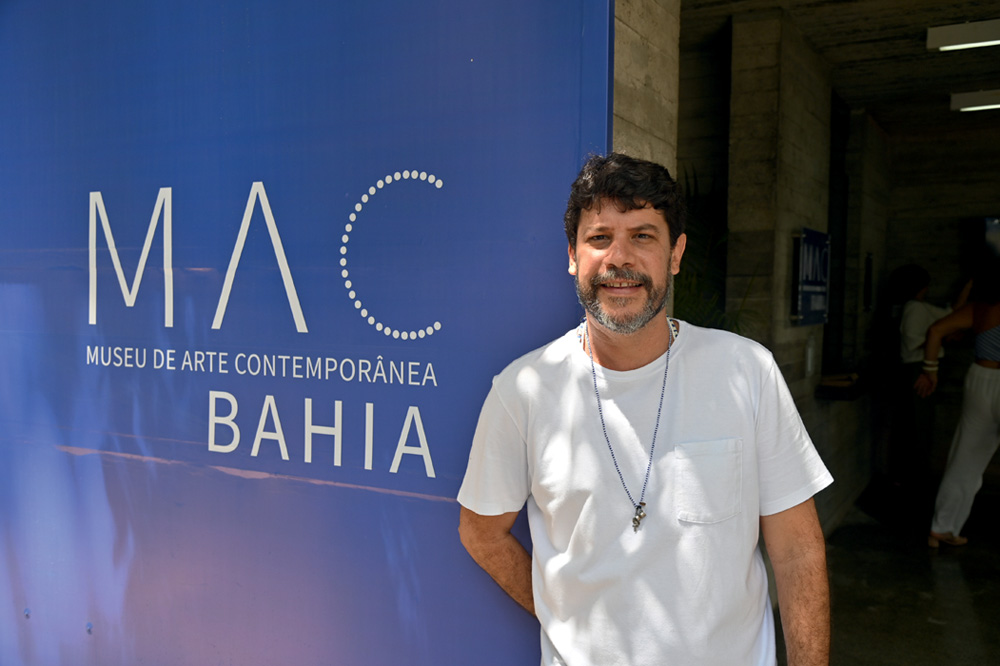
848	432
755	67
703	171
778	179
803	197
779	176
868	222
647	37
703	139
939	182
866	345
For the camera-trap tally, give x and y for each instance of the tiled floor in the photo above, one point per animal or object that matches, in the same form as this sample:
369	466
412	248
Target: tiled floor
897	602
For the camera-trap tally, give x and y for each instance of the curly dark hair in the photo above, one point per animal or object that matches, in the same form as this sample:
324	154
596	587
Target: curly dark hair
628	183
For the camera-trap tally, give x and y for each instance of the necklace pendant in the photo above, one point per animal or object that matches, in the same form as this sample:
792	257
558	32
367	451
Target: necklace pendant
639	515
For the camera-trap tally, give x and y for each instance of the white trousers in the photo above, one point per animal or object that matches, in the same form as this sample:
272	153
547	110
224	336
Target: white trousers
976	440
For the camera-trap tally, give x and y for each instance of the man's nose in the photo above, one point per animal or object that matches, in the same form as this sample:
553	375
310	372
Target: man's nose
619	254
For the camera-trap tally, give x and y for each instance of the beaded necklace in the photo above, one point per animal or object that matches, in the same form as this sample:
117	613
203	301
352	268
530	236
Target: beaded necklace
639	512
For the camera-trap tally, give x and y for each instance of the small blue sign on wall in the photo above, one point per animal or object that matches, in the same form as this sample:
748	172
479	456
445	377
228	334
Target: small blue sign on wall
811	277
261	260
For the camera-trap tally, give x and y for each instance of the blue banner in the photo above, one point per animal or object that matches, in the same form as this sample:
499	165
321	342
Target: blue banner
260	263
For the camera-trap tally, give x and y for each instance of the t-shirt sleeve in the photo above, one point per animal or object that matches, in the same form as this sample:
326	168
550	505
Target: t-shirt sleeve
790	468
917	318
912	328
496	479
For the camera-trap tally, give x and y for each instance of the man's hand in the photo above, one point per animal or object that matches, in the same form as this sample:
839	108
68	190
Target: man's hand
797	551
926	383
499	553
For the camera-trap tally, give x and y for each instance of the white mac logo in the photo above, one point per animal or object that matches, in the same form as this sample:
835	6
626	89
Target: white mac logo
163	208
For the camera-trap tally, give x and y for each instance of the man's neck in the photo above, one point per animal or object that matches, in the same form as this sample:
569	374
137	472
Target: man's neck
618	351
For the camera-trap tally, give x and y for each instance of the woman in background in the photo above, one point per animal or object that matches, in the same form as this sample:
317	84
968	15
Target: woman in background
978	433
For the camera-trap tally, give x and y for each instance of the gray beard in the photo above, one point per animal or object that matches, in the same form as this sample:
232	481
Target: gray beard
656	300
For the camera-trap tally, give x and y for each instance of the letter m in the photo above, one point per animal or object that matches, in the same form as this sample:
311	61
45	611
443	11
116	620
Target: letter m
163	205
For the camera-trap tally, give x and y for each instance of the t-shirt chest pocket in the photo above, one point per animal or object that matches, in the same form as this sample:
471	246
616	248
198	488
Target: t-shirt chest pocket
708	480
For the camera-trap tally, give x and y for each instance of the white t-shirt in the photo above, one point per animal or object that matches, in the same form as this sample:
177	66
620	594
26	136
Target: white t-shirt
917	318
690	586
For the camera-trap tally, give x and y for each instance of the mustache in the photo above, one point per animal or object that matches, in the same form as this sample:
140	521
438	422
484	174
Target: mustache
621	274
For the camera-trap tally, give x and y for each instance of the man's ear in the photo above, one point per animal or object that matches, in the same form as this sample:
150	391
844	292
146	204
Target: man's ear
572	260
676	253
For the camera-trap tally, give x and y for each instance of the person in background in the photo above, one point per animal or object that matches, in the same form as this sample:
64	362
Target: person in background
919	314
913	426
978	433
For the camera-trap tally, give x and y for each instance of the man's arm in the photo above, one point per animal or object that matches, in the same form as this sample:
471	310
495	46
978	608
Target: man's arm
797	550
499	553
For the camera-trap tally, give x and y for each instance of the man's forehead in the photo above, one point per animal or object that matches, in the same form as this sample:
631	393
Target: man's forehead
619	204
642	215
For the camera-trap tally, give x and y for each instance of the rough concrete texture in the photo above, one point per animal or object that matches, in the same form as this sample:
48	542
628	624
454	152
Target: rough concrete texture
647	79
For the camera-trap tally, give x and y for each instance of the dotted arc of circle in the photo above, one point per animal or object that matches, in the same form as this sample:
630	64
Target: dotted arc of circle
352	294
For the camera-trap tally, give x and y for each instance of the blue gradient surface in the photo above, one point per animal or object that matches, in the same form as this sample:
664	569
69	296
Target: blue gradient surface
124	539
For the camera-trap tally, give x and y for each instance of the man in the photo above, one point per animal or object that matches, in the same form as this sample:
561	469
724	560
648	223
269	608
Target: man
651	454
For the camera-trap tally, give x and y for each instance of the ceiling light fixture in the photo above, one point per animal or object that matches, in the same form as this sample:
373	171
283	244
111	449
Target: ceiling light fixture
976	101
964	35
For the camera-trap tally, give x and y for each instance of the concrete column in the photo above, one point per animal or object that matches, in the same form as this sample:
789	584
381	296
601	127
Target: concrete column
753	172
867	228
779	157
647	38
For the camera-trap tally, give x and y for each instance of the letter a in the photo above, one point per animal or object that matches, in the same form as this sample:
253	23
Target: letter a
277	435
257	192
413	416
